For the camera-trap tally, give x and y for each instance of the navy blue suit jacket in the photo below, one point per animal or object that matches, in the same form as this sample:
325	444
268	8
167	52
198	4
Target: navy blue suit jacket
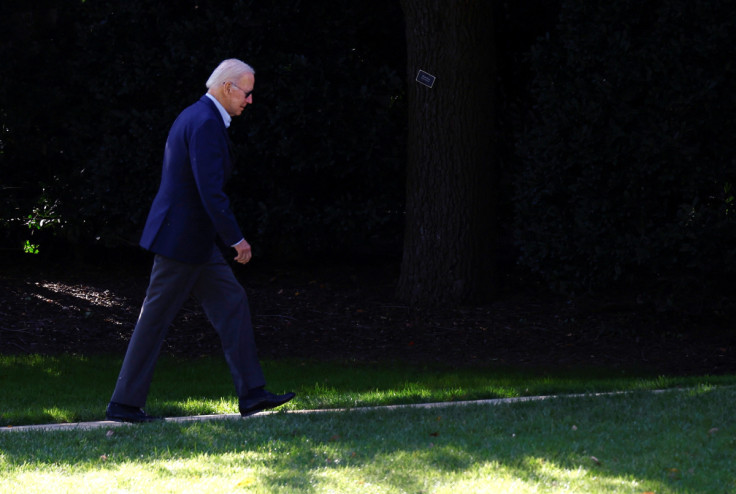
191	210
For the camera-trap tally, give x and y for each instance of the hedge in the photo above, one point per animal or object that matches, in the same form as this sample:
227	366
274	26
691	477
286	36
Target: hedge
628	160
90	89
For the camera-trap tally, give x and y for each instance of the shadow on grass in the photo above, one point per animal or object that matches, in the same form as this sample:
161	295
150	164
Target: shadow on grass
35	389
678	441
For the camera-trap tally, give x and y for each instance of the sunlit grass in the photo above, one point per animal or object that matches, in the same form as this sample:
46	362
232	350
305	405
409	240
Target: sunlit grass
38	389
679	441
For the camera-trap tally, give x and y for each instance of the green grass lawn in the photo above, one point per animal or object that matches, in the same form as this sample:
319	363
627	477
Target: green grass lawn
41	389
678	441
681	440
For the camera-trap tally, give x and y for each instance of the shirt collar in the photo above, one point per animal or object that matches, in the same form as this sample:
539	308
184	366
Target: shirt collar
225	117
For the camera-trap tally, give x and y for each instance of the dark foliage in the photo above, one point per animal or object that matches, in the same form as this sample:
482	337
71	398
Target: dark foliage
624	171
629	163
89	90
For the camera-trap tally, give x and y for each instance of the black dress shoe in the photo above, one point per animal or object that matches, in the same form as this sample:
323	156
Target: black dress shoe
263	401
123	413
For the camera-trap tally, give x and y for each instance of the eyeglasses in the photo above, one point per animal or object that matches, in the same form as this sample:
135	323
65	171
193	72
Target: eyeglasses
247	94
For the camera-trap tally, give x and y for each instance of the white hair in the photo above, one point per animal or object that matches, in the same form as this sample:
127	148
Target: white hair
231	69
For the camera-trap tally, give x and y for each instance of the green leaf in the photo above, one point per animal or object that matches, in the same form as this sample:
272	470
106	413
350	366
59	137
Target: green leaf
30	248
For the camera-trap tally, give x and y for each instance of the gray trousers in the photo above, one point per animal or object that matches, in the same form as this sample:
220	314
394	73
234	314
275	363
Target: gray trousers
224	302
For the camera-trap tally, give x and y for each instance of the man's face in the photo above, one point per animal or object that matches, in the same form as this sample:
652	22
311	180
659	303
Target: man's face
237	95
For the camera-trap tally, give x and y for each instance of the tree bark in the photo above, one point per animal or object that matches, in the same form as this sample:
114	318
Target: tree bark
450	235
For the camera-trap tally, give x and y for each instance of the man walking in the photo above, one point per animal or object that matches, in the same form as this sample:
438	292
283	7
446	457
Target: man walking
189	217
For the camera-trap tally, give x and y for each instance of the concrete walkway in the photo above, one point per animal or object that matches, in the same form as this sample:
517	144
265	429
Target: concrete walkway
234	416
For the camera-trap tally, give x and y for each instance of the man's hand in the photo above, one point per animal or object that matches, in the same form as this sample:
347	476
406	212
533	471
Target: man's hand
244	253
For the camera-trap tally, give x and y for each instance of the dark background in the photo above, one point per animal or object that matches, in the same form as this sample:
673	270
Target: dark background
615	134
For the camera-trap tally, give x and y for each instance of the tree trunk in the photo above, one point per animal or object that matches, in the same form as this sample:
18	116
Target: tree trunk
450	236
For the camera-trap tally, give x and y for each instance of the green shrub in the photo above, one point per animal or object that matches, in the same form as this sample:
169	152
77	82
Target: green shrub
628	162
90	89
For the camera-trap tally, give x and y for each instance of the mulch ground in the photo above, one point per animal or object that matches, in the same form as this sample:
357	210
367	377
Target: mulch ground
350	313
